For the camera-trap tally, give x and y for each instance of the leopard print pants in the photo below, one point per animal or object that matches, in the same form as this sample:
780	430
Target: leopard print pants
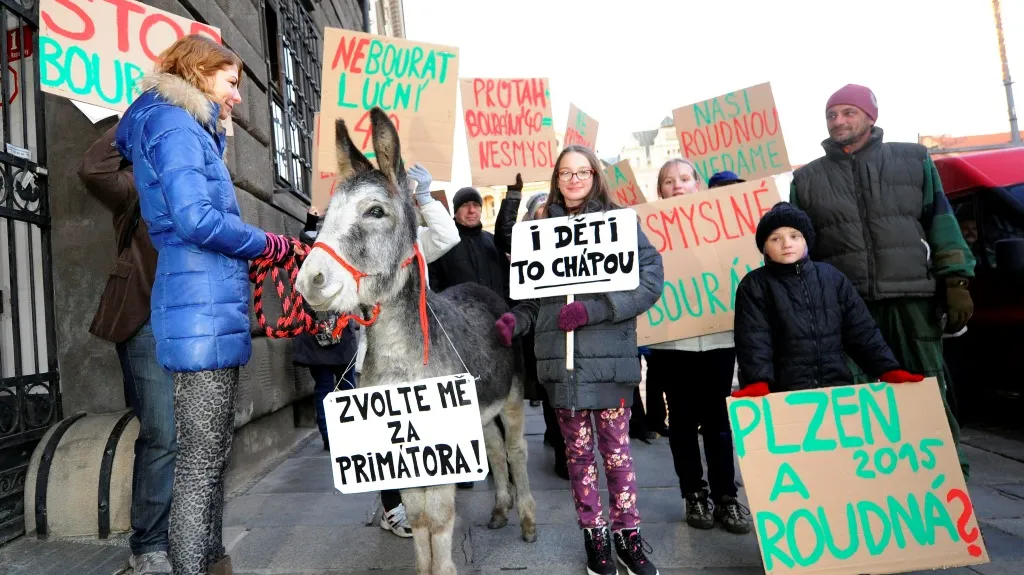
204	407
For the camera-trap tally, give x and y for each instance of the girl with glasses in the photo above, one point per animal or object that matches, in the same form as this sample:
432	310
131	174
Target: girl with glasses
592	404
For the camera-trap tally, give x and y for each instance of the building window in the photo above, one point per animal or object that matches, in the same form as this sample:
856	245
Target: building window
489	207
294	68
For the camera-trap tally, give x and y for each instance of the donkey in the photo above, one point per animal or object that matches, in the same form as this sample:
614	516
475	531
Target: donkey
367	263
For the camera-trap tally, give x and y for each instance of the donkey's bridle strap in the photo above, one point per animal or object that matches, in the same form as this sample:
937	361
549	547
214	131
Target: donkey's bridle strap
417	257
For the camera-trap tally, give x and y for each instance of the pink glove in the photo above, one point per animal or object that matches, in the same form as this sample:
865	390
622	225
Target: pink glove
278	248
506	326
573	316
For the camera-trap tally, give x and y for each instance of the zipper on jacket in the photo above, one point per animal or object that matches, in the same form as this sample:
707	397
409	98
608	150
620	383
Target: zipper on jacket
862	206
814	325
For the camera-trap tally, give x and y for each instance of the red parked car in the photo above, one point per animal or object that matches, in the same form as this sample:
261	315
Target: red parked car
986	190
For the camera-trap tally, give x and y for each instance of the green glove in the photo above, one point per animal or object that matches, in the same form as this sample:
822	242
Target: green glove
959	304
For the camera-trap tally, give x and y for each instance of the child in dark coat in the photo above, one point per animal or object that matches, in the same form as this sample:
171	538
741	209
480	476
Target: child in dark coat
795	318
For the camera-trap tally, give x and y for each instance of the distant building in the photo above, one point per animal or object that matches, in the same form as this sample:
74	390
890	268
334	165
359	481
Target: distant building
647	151
388	18
937	144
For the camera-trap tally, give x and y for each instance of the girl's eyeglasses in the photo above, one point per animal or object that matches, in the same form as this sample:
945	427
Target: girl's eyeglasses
584	174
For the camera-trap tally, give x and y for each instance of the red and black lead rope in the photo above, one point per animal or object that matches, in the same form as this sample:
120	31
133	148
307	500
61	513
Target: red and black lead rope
294	320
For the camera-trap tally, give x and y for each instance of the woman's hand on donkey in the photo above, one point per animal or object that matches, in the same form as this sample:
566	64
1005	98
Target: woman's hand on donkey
506	327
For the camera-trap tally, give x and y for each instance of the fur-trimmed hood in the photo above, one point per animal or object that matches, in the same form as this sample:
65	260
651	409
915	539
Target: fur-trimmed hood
182	94
165	94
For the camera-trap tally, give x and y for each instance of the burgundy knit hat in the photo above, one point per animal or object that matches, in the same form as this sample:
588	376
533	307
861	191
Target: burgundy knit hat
854	95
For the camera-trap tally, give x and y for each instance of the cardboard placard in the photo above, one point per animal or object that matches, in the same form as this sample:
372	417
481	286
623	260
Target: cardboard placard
413	82
582	129
324	182
855	479
706	241
508	129
404	435
442	197
623	186
738	132
96	52
592	253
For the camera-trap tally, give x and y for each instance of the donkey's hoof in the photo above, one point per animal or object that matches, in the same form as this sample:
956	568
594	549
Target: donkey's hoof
529	529
497	521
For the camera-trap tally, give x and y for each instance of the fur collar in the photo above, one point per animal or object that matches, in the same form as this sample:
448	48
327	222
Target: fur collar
182	94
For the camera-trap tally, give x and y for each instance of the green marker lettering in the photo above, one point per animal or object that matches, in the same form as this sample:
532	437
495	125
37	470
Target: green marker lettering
794	548
819	399
937	515
712	298
769	428
839	410
741	431
71	53
49	55
769	541
890	425
875	544
795	485
619	176
851	525
342	84
909	516
118	79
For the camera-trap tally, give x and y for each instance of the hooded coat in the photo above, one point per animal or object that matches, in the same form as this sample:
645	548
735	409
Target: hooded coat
200	299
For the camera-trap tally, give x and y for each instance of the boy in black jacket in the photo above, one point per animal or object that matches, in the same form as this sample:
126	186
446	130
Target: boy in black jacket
795	318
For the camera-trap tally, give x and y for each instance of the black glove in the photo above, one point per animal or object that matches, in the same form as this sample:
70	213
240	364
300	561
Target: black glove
518	186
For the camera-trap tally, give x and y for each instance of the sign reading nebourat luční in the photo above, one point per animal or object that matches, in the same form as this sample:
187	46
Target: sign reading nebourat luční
592	253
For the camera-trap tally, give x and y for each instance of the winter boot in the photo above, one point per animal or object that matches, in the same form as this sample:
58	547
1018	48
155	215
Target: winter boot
631	550
733	515
598	542
221	567
699	511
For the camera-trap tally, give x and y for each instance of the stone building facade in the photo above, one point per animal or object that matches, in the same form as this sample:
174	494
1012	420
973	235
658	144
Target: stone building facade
280	43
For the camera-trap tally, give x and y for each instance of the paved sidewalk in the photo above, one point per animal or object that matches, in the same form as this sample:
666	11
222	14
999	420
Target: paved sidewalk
294	522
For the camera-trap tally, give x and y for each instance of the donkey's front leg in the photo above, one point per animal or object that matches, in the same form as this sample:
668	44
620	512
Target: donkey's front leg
415	501
498	460
441	515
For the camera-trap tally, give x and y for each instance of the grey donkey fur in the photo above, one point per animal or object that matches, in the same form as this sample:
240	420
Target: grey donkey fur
371	224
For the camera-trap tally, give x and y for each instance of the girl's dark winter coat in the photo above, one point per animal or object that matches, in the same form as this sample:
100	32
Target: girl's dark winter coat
793	323
607	366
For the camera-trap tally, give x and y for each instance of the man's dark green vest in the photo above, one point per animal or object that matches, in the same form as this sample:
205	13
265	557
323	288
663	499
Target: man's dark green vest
867	209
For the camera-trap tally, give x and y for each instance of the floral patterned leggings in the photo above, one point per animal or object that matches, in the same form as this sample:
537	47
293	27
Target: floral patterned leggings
613	441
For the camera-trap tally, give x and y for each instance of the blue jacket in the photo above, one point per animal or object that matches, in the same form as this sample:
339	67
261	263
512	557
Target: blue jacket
201	295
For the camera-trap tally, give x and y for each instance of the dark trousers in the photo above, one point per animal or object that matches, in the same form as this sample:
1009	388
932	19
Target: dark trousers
149	391
552	432
325	378
696	385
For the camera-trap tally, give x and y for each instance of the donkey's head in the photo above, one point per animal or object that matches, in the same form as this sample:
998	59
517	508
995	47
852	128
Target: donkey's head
369	228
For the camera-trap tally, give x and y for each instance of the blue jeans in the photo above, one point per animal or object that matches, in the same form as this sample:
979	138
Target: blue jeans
325	378
149	389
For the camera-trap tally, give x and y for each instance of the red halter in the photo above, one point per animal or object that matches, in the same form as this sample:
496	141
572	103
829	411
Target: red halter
358	275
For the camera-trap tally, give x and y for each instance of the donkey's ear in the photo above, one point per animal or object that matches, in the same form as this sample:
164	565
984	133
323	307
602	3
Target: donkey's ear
350	160
388	150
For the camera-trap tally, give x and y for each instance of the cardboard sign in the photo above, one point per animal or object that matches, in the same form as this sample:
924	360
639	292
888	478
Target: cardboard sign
592	253
324	182
413	82
442	197
406	435
623	185
96	52
706	241
582	129
738	131
508	129
855	479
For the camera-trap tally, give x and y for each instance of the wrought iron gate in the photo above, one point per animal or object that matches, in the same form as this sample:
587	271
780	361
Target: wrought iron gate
29	383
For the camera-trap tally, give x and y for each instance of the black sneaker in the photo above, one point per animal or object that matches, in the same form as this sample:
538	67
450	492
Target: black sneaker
598	542
465	485
699	512
733	515
631	550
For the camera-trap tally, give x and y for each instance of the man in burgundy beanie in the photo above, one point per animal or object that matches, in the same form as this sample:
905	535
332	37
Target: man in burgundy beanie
881	217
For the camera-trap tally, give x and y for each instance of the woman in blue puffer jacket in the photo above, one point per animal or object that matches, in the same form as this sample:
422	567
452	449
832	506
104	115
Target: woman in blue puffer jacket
173	136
